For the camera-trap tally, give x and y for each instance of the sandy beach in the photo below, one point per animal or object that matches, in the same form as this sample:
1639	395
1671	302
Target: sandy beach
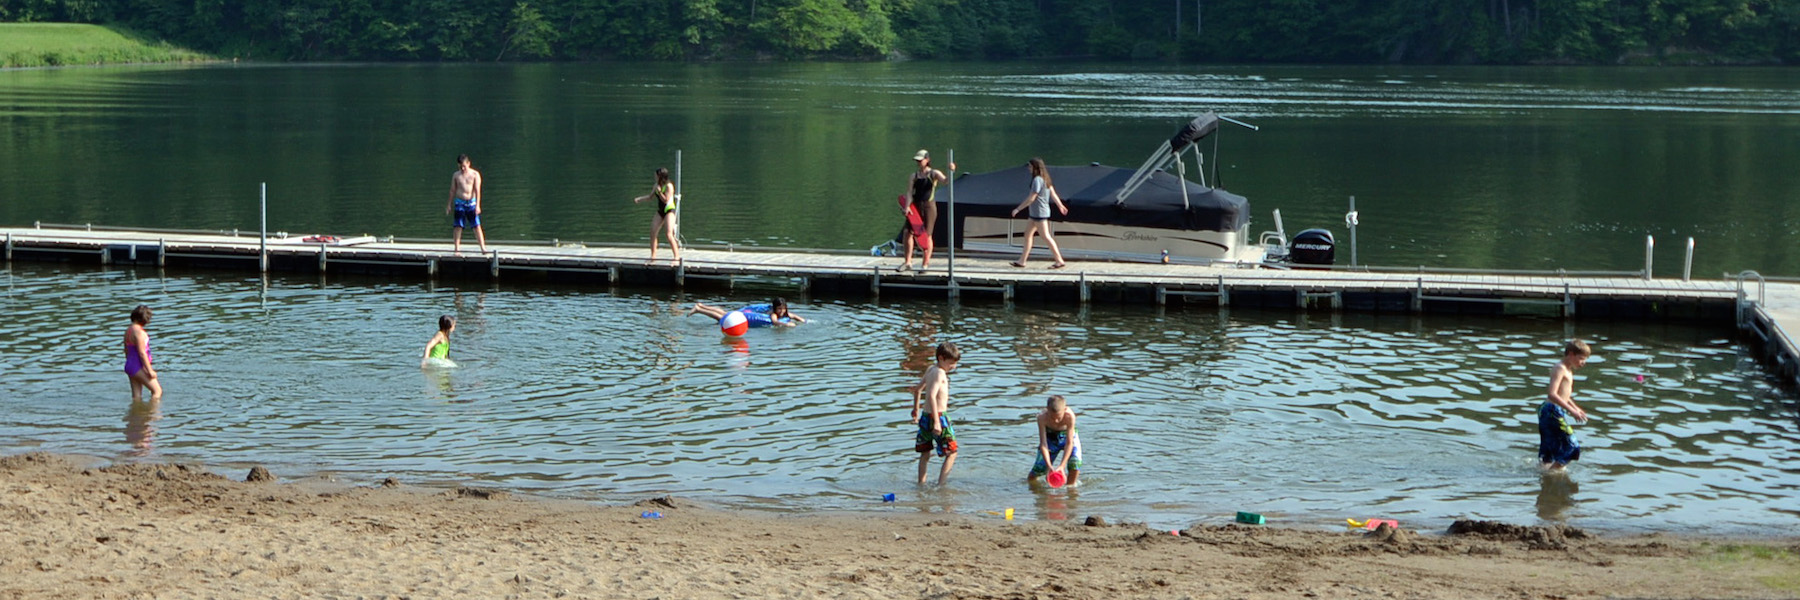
78	529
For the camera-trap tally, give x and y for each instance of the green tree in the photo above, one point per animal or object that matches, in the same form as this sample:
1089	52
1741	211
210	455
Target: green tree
528	35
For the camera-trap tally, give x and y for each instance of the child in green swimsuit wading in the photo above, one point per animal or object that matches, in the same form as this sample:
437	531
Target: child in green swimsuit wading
439	346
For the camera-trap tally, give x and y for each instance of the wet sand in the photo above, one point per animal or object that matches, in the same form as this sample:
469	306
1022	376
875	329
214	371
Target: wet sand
72	529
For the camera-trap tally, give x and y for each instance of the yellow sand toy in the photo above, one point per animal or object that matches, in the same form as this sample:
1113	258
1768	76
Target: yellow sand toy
1372	524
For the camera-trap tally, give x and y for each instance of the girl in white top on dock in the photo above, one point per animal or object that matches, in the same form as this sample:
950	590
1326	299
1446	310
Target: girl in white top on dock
1042	195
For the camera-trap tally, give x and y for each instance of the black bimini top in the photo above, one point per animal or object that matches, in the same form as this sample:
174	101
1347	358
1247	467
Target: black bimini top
1092	193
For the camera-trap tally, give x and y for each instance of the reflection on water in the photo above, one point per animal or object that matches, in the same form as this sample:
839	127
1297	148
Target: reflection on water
1186	415
140	427
1556	495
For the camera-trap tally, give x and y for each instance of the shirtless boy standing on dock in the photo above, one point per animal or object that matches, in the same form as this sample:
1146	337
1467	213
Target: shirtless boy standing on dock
935	432
464	207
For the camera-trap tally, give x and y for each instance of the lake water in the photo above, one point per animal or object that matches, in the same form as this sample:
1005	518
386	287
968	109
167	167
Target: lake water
1465	167
1187	416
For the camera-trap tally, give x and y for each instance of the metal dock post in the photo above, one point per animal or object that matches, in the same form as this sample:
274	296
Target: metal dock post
1687	266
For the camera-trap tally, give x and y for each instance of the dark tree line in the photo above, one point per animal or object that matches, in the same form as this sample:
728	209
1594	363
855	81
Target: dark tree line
1328	31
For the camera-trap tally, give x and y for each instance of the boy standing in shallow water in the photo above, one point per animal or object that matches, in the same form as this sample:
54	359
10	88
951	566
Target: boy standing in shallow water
1556	440
935	432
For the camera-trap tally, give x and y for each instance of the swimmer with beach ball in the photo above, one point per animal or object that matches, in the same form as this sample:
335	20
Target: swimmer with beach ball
735	323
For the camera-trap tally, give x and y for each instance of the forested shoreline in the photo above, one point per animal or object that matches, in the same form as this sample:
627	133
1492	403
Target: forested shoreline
1286	31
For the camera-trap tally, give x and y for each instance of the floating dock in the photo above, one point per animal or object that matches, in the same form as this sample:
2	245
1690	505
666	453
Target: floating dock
1766	311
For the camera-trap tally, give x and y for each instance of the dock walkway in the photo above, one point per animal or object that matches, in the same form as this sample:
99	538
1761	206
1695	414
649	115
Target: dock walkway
1766	310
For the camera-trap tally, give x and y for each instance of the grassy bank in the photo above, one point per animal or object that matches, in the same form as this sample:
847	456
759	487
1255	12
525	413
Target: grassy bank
60	44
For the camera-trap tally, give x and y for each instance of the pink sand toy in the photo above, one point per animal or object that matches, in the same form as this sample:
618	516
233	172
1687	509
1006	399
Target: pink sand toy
1373	524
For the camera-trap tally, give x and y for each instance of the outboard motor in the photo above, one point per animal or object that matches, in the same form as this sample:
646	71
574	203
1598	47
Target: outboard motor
1312	247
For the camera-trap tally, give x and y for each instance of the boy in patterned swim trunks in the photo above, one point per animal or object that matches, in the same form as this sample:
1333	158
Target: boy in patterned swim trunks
1556	440
935	432
1058	446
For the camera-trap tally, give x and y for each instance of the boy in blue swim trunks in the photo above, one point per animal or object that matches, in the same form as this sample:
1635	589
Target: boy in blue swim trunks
1059	446
1556	440
774	313
935	432
464	207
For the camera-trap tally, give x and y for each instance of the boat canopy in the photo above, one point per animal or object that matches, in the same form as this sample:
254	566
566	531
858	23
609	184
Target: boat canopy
1195	130
1092	193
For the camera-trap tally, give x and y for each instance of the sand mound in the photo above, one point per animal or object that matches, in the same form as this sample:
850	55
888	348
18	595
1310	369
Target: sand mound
478	493
259	474
176	473
1555	537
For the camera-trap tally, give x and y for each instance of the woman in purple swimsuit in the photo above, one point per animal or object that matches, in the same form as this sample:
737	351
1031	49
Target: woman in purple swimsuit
137	355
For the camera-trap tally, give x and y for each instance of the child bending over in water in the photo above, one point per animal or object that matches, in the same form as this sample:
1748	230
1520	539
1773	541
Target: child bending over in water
1058	445
439	346
137	355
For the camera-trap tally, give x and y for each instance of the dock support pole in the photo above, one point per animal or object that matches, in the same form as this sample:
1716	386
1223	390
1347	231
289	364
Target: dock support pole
105	256
1687	266
1649	254
1418	298
431	268
1224	292
875	282
494	265
262	241
162	252
1008	293
1085	294
9	246
321	259
1162	295
1568	302
612	274
950	267
131	253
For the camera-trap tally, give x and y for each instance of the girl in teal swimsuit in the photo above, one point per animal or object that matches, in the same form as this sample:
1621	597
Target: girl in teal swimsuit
439	346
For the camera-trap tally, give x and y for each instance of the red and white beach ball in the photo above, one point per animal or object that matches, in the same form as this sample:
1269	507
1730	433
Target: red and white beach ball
734	324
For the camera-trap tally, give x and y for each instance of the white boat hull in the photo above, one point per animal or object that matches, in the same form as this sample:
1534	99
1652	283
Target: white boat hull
1115	242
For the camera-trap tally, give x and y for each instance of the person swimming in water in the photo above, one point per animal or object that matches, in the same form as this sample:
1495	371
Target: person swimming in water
137	355
775	313
439	346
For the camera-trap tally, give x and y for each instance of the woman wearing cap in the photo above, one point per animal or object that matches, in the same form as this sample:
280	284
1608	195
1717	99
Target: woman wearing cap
921	185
